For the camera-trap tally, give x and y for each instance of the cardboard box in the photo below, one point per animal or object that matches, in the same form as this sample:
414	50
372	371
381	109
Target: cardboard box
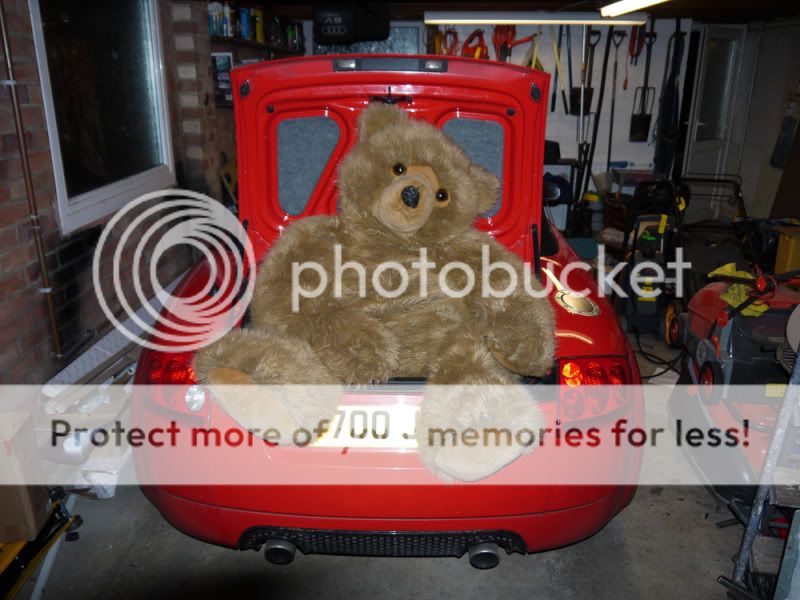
23	512
23	508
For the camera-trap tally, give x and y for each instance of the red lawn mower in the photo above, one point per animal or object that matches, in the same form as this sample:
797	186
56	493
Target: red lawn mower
741	344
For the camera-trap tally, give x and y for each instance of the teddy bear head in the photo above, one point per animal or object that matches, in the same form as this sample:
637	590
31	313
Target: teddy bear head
408	179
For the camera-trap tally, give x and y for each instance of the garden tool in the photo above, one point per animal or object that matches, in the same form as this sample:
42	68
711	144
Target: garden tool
433	39
644	96
501	35
556	50
504	42
479	49
616	39
445	42
569	59
667	130
558	77
450	43
635	46
535	64
581	97
586	169
531	58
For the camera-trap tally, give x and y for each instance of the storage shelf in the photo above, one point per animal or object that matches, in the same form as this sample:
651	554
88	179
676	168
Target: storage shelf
288	51
229	41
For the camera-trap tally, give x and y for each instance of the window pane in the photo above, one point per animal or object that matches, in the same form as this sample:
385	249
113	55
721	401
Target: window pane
401	40
102	73
714	103
304	148
483	142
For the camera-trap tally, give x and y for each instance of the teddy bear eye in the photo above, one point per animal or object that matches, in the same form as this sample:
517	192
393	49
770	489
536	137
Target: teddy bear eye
441	195
399	169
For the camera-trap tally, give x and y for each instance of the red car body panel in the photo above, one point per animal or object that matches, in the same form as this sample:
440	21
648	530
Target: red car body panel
545	516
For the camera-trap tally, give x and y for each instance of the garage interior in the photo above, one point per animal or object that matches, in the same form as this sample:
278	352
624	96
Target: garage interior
673	130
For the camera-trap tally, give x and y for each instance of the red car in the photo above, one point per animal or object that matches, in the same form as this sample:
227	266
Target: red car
295	120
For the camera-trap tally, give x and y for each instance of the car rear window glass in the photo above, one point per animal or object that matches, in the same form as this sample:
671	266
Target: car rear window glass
305	146
483	141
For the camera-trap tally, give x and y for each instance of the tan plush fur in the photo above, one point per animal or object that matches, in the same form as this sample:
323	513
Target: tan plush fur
354	340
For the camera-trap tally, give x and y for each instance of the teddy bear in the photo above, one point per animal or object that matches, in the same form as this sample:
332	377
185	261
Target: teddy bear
408	195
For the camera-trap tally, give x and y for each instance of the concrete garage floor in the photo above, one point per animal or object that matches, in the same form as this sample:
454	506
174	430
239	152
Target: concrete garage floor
664	545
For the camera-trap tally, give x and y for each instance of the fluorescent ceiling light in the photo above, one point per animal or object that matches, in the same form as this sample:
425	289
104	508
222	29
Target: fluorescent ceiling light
624	7
466	17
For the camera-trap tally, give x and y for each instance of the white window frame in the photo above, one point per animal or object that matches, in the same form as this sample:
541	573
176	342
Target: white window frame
92	206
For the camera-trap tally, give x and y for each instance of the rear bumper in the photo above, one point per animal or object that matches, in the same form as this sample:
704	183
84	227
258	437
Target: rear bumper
247	529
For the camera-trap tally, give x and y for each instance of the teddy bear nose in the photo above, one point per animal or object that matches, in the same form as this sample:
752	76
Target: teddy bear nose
410	196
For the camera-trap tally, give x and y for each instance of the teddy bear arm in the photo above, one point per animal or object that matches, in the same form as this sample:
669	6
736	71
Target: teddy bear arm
248	356
519	328
522	335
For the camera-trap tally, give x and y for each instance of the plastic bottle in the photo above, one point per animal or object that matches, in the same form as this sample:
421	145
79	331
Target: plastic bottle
244	24
227	26
259	25
215	18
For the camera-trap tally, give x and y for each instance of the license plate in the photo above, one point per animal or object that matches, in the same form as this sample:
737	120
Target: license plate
365	426
775	390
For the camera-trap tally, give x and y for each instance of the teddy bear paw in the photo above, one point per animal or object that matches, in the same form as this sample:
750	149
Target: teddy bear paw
467	433
532	357
275	412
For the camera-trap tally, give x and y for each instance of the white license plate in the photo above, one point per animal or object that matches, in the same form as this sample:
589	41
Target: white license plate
371	426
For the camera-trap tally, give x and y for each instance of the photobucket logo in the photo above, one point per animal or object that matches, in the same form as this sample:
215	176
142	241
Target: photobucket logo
140	234
423	266
646	279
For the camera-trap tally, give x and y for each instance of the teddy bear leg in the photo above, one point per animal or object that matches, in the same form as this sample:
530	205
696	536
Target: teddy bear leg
469	391
265	381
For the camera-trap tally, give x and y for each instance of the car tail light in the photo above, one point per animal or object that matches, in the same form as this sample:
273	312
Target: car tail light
617	375
595	374
173	379
571	374
594	371
176	370
579	376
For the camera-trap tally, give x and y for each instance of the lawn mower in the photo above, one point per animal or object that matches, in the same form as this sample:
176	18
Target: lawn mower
739	354
649	244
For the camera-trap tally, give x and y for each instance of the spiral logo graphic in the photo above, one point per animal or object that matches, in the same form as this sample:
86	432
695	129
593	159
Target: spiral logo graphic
180	323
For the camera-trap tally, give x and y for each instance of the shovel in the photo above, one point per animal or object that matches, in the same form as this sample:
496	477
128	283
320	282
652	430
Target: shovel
616	39
585	90
644	96
559	78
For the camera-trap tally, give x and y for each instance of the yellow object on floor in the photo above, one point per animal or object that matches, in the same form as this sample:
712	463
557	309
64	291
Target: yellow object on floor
739	292
8	552
788	256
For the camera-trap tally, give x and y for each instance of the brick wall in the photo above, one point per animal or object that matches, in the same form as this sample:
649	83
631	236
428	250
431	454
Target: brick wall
24	337
25	341
186	44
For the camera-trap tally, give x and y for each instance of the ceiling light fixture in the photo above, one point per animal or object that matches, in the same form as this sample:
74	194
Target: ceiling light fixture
530	18
624	7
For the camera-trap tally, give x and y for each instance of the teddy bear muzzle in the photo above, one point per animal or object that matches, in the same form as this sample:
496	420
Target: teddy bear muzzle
406	204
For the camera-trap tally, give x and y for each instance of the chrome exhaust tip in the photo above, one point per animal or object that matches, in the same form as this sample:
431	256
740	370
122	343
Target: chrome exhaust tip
484	556
279	552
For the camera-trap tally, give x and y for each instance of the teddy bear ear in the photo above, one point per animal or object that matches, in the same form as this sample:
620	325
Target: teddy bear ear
487	187
378	116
